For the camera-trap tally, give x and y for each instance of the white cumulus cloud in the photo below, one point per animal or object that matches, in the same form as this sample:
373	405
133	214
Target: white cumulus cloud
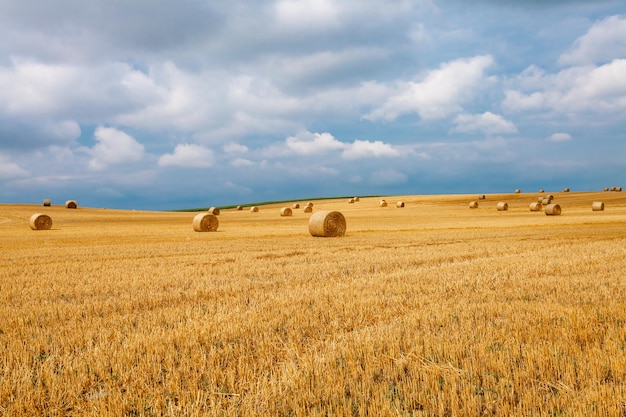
604	41
365	149
114	147
188	155
439	94
560	137
307	143
487	122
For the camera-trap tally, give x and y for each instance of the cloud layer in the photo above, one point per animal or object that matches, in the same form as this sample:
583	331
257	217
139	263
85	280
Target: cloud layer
99	100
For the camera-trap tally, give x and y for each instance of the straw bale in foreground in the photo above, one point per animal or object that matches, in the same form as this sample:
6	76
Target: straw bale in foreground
502	206
205	222
327	223
40	221
552	210
285	212
597	206
71	204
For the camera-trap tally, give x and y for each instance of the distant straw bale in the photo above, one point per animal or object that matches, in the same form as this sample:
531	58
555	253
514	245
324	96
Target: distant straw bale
618	188
552	210
400	204
502	206
309	204
382	203
308	209
327	223
473	204
214	210
356	199
40	221
566	190
47	202
285	212
296	206
606	189
351	201
542	191
597	206
71	204
254	209
205	222
536	206
518	191
482	197
239	207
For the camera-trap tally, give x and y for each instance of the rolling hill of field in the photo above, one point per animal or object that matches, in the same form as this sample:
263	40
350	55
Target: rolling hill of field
434	309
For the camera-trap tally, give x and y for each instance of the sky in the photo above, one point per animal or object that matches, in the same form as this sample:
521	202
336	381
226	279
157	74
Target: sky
159	105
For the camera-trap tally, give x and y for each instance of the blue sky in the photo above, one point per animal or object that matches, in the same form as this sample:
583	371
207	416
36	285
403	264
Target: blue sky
164	105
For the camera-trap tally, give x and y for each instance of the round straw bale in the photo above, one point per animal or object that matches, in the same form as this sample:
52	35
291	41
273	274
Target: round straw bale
214	210
518	191
597	206
618	188
351	201
473	204
239	207
482	197
309	204
382	203
254	209
545	201
540	199
400	204
541	191
613	188
296	206
205	222
502	206
327	223
553	210
71	204
47	202
285	212
356	199
566	190
308	209
40	221
536	206
606	189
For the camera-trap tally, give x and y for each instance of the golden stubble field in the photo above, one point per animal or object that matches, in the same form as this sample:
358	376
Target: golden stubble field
434	309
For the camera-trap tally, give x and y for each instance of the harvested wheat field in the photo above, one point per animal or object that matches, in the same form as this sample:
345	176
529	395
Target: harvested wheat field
434	310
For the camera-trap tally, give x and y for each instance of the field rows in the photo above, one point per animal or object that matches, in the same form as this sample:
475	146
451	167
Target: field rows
429	310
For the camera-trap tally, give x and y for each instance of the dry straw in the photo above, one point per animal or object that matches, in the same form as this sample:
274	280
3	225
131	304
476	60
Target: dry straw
356	199
296	206
400	204
618	188
536	206
518	191
382	203
597	206
502	206
205	222
239	207
214	210
47	203
40	221
285	212
309	204
473	204
606	189
482	197
566	190
71	204
308	209
351	201
327	223
254	209
542	191
552	210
